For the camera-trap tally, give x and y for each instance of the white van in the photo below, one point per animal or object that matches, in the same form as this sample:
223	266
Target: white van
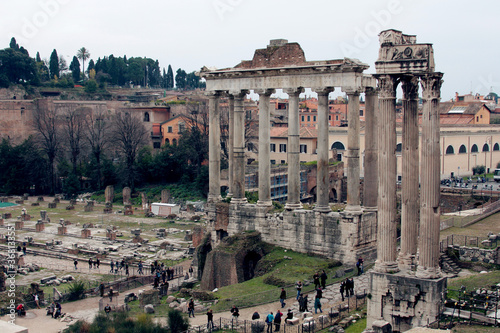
496	175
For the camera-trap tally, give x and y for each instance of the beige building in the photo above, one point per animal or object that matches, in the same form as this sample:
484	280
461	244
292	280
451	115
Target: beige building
462	147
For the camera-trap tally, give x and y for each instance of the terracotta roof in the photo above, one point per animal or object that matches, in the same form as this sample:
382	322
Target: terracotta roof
458	108
305	132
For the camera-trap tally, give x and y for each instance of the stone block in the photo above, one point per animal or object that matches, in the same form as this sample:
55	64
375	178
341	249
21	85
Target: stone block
47	279
40	199
381	326
72	202
1	222
70	207
61	230
56	200
293	321
85	233
149	297
26	196
35	204
7	215
52	205
88	208
26	217
19	225
149	308
111	235
39	226
20	202
306	314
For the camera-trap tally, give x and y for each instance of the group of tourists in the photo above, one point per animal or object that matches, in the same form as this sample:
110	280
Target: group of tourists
54	310
347	288
118	266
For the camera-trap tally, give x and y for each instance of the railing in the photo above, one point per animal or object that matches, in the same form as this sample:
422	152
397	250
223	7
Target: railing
331	317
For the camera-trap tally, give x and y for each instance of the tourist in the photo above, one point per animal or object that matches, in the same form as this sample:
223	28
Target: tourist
342	288
107	309
123	264
323	278
316	280
163	275
282	298
76	264
301	303
97	262
235	312
317	305
90	263
319	293
289	315
58	310
24	250
21	311
305	303
298	286
51	308
191	308
19	248
101	289
352	286
255	316
152	268
126	269
359	265
35	297
139	267
191	271
112	265
110	294
269	322
347	287
277	321
210	320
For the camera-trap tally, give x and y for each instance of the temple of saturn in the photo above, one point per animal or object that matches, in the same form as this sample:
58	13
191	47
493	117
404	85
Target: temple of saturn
406	287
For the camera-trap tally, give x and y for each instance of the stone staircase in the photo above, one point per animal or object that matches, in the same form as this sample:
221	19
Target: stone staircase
448	266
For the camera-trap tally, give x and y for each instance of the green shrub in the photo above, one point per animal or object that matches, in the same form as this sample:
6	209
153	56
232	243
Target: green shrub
76	290
478	170
177	322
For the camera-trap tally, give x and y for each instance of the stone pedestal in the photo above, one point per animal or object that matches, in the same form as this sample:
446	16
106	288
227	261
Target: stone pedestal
61	230
128	210
52	205
20	202
40	199
1	222
56	200
39	226
7	215
70	207
109	194
111	235
108	209
88	208
19	224
85	233
165	196
26	196
126	193
26	217
405	301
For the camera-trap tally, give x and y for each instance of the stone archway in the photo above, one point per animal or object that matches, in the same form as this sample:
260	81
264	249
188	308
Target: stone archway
333	195
249	263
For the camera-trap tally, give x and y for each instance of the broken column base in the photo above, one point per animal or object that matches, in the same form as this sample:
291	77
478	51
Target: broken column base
85	233
404	300
111	235
26	217
128	210
39	226
88	208
52	205
61	230
19	224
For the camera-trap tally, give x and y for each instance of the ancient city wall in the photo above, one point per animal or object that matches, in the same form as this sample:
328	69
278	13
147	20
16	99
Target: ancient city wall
475	254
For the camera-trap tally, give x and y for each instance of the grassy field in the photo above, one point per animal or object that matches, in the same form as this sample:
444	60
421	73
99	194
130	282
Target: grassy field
357	327
479	229
473	282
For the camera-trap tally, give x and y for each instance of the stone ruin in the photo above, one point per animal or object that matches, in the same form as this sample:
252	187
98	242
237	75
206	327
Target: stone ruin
111	234
52	205
24	215
19	224
40	199
44	216
89	207
109	195
26	196
85	233
126	196
2	281
137	236
165	196
40	226
61	228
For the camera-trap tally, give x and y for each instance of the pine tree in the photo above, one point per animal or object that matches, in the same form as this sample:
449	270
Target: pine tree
74	67
54	64
38	58
170	78
13	44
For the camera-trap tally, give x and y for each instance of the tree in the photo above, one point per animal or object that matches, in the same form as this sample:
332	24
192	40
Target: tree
17	67
45	126
73	133
63	66
74	67
180	79
13	44
54	65
83	54
96	127
170	78
129	135
176	322
91	86
90	66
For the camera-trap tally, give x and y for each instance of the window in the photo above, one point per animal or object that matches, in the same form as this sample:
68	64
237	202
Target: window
273	162
282	162
146	116
250	146
282	148
156	145
477	118
462	149
330	117
450	150
496	147
182	127
399	147
338	145
361	113
303	149
486	147
302	118
336	117
169	129
308	118
314	118
474	149
273	147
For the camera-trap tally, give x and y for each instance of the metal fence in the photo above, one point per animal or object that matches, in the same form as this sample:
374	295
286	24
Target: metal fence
328	318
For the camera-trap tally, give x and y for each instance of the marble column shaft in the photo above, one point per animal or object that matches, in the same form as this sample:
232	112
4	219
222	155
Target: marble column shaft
352	155
264	148
428	265
323	179
386	229
370	190
214	147
230	144
293	200
410	174
238	186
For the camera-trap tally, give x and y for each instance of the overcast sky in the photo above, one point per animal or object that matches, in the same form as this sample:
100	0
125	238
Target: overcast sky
191	34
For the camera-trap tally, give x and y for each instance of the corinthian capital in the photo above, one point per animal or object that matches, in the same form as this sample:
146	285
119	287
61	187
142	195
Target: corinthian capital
387	85
431	86
410	87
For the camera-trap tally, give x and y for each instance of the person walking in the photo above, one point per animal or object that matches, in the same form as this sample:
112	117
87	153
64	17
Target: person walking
24	250
277	321
317	305
112	265
323	278
90	263
107	309
359	266
35	297
298	286
97	262
342	288
76	264
235	312
269	322
139	268
319	293
101	289
352	286
283	297
316	280
210	320
126	270
191	308
110	294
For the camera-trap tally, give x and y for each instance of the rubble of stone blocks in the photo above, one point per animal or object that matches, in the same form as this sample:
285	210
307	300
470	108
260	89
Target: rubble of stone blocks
40	199
70	207
85	233
149	297
26	196
56	200
52	205
40	226
19	202
128	210
53	280
33	204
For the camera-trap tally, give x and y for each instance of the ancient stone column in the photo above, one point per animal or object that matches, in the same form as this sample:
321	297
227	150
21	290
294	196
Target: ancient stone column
214	147
109	194
293	201
352	154
126	193
323	179
238	186
386	229
264	148
428	263
230	144
370	188
410	173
